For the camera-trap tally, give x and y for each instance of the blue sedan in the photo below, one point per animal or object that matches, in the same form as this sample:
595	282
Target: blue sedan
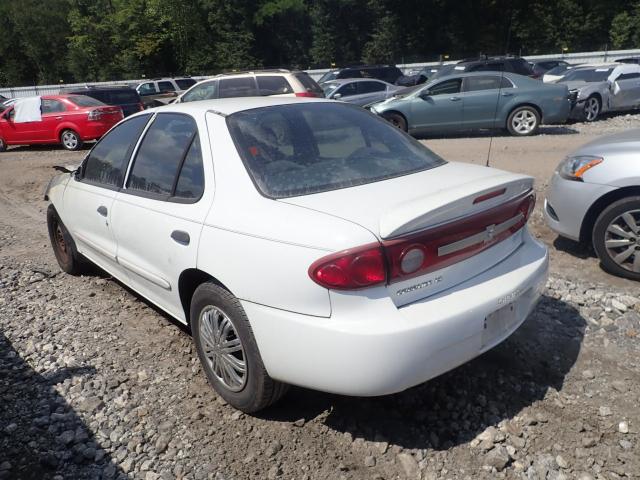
477	100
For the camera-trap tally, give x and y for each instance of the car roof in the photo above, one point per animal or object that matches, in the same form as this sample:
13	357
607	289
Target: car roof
228	106
342	81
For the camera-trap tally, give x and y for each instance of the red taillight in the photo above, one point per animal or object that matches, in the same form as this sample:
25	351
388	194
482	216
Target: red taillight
489	196
307	94
350	269
94	115
141	106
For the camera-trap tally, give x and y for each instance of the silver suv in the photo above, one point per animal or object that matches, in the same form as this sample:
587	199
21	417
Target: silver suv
160	91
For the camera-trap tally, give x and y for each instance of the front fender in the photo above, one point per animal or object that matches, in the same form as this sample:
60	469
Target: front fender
55	189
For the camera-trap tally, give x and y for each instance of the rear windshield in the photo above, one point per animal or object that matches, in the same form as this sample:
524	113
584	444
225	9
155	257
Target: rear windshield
84	101
308	83
185	83
124	96
328	77
292	150
595	75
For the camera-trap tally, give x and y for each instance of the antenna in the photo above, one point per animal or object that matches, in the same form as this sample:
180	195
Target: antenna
495	113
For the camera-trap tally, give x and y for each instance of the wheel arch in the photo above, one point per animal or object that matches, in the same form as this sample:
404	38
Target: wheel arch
586	229
189	280
67	126
524	104
397	112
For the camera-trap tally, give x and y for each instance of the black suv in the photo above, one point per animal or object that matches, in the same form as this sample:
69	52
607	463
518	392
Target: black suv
493	64
122	96
387	73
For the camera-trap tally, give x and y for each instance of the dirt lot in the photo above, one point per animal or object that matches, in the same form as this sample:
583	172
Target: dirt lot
95	383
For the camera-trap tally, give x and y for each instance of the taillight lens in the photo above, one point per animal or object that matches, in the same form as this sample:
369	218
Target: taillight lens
94	115
141	106
351	269
306	94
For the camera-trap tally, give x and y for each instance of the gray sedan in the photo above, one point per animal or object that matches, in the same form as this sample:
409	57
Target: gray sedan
603	88
594	197
359	91
468	101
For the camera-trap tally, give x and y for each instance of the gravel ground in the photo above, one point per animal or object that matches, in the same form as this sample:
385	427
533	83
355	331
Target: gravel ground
96	383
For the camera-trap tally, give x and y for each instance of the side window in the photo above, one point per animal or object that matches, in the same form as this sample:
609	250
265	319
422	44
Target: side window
237	87
629	76
446	88
370	87
474	84
52	106
190	183
161	153
204	91
107	161
506	83
273	85
347	90
147	89
488	67
165	87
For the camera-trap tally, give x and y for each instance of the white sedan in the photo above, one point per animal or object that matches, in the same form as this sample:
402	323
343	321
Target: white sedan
305	242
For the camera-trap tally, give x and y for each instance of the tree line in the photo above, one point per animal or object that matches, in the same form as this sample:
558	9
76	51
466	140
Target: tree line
51	41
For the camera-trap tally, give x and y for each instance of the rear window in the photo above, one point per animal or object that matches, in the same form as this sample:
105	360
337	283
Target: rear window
327	77
308	83
273	85
521	67
292	150
185	83
123	97
84	101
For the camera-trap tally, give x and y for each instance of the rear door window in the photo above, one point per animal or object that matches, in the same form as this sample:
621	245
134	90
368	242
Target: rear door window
107	161
273	85
204	91
165	87
185	83
161	154
347	90
237	87
474	84
52	106
370	87
147	89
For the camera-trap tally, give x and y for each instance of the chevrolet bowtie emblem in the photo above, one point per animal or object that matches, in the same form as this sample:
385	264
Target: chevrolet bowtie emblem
489	233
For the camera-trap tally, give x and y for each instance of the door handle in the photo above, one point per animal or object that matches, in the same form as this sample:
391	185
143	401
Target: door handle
455	99
180	237
507	94
102	210
58	118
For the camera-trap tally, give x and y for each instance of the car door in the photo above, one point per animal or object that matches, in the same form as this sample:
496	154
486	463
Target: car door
369	91
53	113
12	132
157	217
481	95
89	196
626	91
345	91
438	106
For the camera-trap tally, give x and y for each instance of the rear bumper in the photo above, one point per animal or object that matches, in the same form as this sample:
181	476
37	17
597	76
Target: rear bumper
558	113
370	347
95	130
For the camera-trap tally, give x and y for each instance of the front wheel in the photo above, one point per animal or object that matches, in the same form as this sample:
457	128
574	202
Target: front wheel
396	120
591	109
64	247
70	140
616	238
523	121
228	350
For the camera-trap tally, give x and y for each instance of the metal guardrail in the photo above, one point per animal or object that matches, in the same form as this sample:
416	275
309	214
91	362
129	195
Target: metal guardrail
578	57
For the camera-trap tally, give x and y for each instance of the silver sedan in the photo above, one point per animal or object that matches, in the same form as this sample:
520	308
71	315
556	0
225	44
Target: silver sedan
594	197
360	91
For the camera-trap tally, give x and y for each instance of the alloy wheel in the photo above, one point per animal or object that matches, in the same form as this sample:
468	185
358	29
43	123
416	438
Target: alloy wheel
223	348
622	240
70	140
591	109
524	122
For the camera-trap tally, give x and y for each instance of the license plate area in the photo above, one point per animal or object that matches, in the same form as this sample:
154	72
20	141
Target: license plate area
499	323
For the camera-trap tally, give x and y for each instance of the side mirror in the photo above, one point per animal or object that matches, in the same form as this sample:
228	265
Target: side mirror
337	96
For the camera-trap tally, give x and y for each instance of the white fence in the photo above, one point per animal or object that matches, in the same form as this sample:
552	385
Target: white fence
580	57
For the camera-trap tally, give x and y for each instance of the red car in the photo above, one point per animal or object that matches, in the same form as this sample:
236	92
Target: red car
66	119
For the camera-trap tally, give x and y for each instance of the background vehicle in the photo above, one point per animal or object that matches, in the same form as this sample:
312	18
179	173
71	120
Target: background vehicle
124	97
387	73
540	67
629	60
417	77
251	84
603	88
487	64
556	73
477	100
160	91
346	243
359	91
66	119
594	197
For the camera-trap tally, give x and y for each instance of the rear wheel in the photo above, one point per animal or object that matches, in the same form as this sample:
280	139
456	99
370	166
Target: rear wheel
64	247
592	107
616	238
523	121
228	350
396	120
70	140
3	145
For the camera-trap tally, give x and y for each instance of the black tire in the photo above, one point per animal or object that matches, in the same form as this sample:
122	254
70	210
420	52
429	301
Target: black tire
70	140
591	108
611	215
396	120
258	390
64	247
523	121
3	145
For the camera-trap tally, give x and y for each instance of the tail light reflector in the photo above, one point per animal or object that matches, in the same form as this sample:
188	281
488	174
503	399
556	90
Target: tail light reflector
141	106
307	94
